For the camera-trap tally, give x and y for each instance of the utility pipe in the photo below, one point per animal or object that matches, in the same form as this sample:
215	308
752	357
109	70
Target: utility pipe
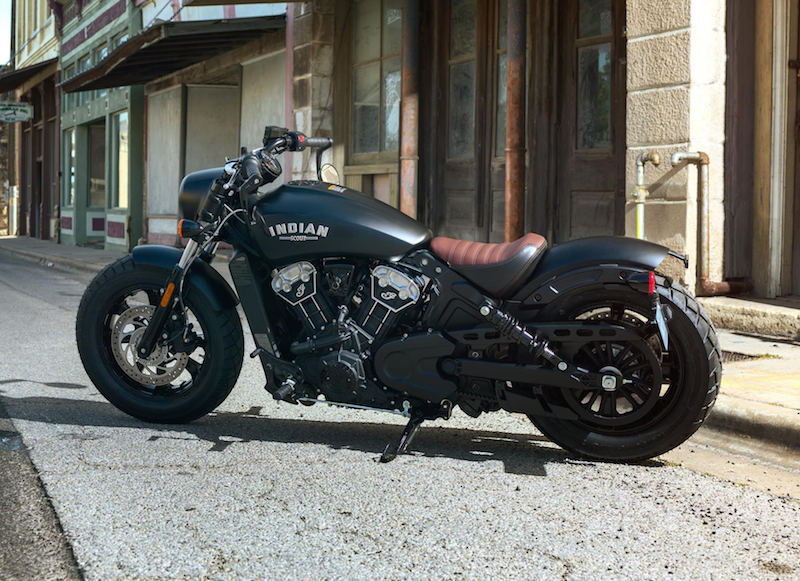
409	105
640	193
708	286
515	120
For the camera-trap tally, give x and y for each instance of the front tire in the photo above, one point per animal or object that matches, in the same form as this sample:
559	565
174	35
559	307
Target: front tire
692	373
175	388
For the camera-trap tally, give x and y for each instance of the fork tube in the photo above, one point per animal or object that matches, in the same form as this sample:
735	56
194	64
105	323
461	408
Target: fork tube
164	306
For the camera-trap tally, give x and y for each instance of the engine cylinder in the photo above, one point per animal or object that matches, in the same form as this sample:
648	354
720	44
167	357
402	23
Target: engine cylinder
297	285
391	291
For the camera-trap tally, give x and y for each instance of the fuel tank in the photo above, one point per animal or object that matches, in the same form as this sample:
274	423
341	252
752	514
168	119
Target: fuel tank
311	219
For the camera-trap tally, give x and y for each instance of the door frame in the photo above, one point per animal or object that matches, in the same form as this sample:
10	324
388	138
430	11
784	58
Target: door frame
439	36
545	105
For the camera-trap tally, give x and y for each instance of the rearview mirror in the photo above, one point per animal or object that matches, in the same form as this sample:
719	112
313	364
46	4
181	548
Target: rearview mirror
330	174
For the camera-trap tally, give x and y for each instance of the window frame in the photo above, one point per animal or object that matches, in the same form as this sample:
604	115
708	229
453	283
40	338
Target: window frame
377	157
100	122
113	155
97	58
68	99
84	97
70	154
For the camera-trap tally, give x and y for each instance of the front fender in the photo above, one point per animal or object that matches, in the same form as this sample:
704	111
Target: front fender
200	278
595	260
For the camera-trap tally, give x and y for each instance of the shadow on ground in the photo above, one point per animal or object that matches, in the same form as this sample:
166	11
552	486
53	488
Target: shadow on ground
525	454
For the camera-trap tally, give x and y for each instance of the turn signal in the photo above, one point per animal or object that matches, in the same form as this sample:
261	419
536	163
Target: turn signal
188	228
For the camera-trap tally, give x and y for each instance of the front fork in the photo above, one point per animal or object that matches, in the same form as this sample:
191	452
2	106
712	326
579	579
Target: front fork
155	328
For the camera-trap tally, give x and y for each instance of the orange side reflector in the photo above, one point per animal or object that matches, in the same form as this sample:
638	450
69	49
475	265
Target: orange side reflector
167	294
180	228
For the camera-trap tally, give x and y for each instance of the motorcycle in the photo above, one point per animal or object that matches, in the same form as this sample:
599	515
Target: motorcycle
352	303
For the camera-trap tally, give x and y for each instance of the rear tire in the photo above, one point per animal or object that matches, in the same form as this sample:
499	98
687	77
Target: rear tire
692	339
184	399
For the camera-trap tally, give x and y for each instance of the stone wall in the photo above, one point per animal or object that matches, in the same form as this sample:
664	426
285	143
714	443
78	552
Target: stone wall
313	38
676	102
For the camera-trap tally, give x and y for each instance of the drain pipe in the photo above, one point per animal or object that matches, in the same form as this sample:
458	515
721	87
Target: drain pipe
708	286
640	193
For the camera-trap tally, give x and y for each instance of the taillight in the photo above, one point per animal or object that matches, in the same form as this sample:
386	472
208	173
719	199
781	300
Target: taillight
651	285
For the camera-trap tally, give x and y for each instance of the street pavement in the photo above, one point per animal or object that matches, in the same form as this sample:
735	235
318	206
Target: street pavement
260	490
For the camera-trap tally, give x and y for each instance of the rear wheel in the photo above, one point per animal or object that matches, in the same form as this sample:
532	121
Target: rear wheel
172	385
663	396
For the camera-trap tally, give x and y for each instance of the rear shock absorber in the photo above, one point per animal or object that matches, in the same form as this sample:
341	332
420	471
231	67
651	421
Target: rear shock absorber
509	327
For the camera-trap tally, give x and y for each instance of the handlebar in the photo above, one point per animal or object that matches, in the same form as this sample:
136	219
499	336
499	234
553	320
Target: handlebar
321	142
250	166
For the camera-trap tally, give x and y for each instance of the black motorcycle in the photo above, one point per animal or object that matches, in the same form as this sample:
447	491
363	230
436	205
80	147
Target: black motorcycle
354	304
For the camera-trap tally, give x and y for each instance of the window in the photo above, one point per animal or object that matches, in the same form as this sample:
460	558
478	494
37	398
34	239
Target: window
97	166
119	191
69	167
377	30
463	74
84	64
119	39
99	54
594	74
67	99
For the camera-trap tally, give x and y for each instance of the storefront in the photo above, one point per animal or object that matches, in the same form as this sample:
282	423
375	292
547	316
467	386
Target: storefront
36	160
207	87
101	137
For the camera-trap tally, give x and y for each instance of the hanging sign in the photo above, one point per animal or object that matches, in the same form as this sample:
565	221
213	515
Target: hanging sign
12	112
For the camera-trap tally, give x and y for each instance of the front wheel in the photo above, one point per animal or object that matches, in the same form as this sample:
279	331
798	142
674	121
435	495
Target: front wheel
171	385
664	395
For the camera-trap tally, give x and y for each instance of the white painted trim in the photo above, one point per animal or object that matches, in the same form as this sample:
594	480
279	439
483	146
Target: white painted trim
777	194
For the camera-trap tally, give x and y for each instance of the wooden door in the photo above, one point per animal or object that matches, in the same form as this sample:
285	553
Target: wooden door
591	181
471	130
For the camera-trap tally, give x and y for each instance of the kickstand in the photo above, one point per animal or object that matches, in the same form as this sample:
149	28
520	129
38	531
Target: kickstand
390	453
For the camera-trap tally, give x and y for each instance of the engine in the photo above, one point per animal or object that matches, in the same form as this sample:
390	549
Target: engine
344	309
297	285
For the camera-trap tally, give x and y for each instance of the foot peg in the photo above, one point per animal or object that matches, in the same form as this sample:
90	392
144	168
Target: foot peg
286	390
391	452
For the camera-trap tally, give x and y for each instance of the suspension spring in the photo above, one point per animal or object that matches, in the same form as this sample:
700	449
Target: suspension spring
509	327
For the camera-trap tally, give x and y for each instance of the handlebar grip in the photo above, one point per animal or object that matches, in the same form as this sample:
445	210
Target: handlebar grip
323	142
251	166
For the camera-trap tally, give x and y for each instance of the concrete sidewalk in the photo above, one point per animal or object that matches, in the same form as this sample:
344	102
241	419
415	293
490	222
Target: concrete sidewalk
759	400
63	256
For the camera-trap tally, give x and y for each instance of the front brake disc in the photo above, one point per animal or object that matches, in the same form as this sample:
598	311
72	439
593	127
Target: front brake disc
161	367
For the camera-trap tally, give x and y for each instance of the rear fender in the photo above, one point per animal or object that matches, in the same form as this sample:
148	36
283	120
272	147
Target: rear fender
588	261
201	277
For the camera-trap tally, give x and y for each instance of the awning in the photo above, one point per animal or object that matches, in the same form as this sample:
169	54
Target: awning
13	79
169	47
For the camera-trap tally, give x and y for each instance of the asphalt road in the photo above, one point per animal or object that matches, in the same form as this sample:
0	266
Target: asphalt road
261	490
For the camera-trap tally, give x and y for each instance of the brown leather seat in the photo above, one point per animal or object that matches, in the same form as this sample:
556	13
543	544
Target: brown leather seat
499	269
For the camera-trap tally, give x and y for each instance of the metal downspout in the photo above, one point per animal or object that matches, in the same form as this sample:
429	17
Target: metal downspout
409	130
641	192
708	286
515	120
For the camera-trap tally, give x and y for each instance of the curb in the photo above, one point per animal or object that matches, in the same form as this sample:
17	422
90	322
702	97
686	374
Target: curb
60	262
743	418
753	318
770	424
